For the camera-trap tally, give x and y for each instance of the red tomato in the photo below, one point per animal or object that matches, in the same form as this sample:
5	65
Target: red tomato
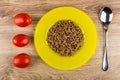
21	40
22	20
21	60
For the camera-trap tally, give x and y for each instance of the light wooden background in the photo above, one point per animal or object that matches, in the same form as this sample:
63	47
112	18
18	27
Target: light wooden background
38	70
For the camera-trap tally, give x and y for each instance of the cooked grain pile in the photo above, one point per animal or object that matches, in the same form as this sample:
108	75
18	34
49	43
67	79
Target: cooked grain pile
65	37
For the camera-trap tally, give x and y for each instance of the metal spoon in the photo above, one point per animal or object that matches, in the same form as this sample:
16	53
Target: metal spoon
105	18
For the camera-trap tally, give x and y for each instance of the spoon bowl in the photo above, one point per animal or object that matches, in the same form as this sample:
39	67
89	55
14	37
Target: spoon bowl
106	16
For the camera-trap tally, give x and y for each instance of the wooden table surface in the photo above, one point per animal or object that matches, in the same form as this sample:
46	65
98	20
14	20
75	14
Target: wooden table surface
38	70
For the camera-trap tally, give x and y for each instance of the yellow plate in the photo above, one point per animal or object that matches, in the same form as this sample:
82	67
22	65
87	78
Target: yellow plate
52	58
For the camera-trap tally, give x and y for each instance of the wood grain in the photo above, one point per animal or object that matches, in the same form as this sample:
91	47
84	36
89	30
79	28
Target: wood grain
38	70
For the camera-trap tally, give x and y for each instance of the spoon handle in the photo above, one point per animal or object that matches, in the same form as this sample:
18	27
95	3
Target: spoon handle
105	57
